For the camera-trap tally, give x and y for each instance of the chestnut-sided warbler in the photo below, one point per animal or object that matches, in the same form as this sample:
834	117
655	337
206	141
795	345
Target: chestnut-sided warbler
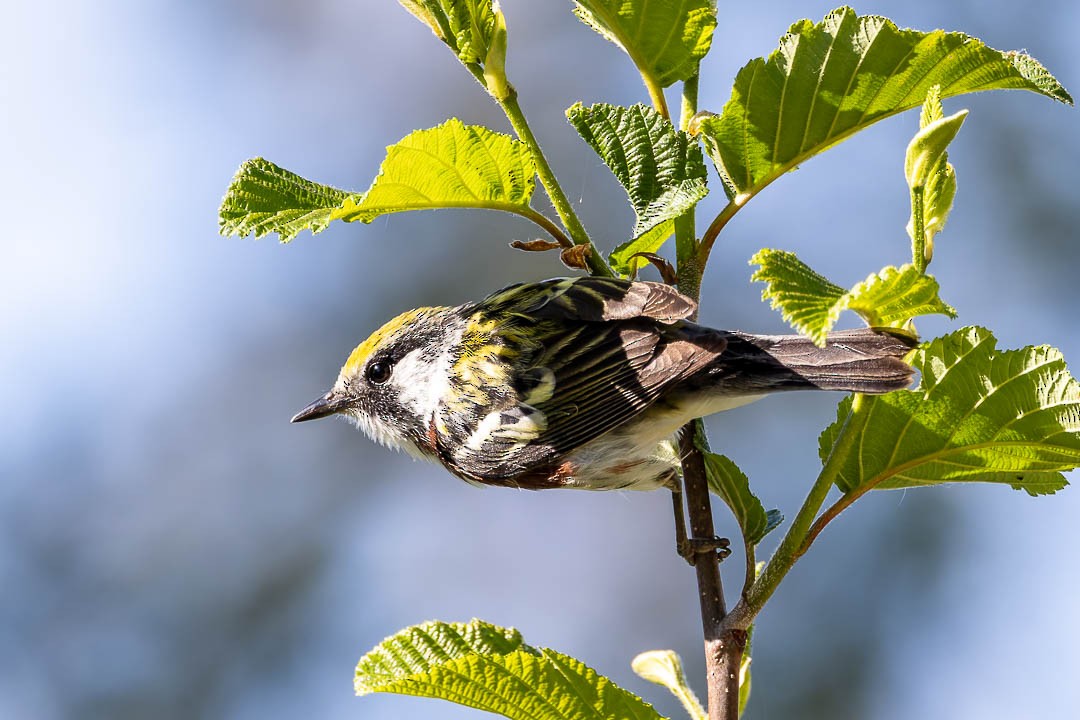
579	382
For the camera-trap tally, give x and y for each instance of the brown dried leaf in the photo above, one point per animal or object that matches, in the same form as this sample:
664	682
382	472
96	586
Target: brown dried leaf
667	271
576	257
535	245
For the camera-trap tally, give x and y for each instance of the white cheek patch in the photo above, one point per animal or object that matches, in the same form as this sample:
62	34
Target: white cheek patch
420	384
418	387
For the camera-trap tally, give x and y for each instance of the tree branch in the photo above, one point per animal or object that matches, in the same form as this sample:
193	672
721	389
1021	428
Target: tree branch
723	647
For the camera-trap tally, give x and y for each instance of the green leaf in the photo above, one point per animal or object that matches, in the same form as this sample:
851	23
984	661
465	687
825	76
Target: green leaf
264	198
495	60
812	304
731	484
938	199
664	667
931	178
926	151
452	165
665	40
475	30
622	258
827	81
979	414
744	682
662	169
931	107
466	26
449	166
490	668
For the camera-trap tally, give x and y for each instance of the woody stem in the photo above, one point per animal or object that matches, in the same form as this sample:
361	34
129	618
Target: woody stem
723	645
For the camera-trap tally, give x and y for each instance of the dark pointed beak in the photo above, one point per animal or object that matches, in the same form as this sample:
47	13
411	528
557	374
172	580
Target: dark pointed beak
328	404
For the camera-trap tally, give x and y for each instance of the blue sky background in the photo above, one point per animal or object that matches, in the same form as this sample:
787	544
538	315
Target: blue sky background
171	547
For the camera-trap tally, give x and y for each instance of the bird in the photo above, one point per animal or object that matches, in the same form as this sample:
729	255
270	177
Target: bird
580	382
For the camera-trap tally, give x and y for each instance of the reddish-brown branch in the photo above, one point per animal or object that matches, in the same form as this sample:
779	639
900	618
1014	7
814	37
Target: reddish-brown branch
723	648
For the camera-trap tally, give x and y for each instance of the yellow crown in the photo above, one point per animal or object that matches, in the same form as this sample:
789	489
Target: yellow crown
392	329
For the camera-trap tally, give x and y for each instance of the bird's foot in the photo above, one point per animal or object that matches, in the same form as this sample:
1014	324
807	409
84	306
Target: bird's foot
691	549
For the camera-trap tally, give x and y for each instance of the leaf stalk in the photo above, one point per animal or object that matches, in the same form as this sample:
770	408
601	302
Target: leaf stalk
718	223
656	94
570	220
548	225
686	242
918	236
794	543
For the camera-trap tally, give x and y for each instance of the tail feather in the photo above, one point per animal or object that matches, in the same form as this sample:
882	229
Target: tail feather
864	361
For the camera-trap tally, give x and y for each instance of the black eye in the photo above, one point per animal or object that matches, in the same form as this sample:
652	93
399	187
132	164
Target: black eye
378	372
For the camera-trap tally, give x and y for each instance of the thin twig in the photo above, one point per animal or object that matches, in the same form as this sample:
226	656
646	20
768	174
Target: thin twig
794	543
713	231
828	516
559	201
548	225
750	552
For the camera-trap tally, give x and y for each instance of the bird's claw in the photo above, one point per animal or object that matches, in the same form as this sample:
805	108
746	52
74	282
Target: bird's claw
693	548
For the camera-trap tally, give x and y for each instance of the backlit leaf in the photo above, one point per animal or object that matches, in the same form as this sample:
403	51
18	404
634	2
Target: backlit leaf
264	198
489	668
466	26
622	258
827	81
666	39
812	304
979	414
449	166
931	177
664	667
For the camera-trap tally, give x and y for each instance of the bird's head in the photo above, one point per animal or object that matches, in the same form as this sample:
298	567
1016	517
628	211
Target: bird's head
393	382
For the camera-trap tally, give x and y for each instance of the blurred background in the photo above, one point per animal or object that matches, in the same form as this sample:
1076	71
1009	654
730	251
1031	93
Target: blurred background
170	547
